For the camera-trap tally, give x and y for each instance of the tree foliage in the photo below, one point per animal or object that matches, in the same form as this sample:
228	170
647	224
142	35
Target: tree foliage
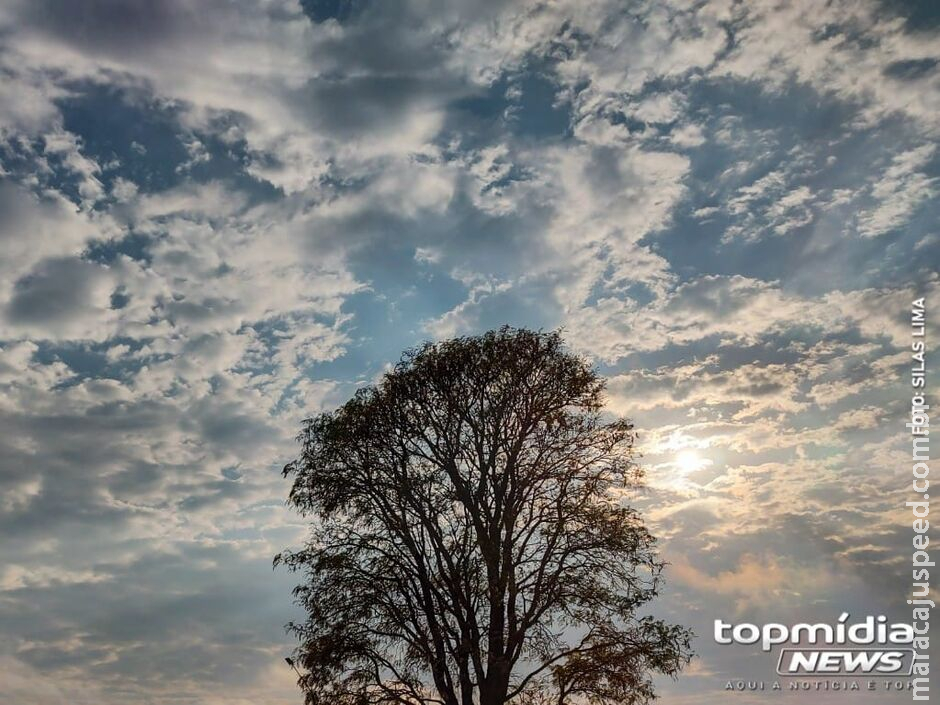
471	541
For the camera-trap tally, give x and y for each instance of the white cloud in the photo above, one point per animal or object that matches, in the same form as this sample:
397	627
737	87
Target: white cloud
902	188
34	227
740	310
830	48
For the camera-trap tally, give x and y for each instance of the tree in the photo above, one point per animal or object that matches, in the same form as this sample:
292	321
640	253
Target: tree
471	541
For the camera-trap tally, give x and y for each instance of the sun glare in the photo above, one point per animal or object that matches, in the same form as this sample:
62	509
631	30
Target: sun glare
689	461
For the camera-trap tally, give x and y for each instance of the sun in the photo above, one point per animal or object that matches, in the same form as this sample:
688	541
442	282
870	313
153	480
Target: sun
688	461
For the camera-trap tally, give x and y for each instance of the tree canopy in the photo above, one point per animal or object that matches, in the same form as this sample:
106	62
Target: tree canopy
471	537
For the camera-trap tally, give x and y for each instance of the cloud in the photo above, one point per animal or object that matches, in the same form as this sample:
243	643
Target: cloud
55	297
898	193
37	226
736	310
830	49
218	219
755	580
22	684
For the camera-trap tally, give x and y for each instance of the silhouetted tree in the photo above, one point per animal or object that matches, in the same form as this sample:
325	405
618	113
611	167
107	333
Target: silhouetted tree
471	542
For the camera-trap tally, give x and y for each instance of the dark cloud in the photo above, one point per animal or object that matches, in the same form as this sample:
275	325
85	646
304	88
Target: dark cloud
340	10
363	106
54	293
119	27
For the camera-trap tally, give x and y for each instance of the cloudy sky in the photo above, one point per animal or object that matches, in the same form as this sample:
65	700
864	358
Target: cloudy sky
219	216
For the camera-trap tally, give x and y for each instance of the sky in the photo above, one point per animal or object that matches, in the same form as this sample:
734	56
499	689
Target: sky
218	217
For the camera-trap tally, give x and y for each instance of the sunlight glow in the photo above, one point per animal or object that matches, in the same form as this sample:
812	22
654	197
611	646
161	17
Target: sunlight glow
689	461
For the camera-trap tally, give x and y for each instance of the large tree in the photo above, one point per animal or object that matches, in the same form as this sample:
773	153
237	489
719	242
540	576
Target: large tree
471	537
